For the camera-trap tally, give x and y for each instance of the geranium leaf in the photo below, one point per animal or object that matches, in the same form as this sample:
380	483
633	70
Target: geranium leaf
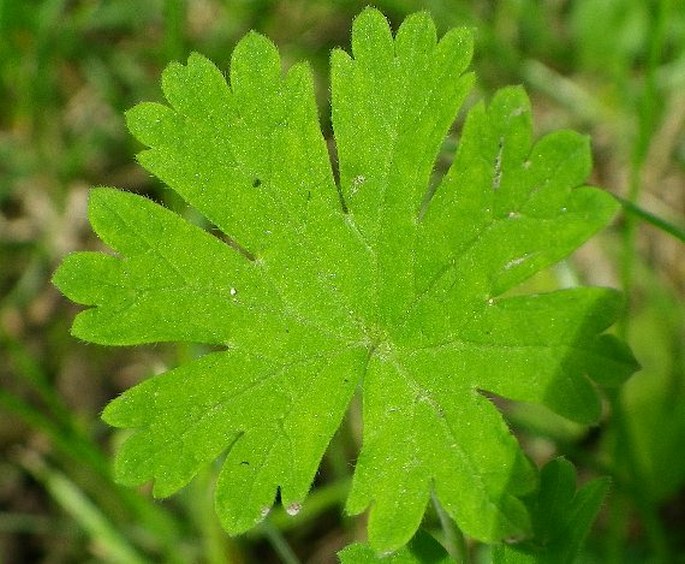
382	281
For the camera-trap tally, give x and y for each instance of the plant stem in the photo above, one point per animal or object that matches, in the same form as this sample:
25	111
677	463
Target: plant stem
104	533
624	456
625	460
278	542
174	21
648	116
455	544
656	221
215	542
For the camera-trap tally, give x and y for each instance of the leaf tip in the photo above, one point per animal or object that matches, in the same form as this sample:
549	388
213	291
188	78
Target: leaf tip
371	36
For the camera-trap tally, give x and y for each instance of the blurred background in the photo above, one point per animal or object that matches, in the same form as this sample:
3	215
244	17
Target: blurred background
613	69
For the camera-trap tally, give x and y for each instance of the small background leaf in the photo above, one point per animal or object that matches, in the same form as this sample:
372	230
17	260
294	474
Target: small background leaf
422	549
562	517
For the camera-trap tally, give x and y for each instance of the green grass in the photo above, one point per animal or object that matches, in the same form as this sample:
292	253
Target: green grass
68	70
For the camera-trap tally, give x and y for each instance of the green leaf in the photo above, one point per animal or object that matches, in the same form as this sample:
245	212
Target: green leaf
561	517
422	549
314	289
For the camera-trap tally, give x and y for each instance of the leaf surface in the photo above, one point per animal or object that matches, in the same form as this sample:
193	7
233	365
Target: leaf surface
561	517
422	549
381	281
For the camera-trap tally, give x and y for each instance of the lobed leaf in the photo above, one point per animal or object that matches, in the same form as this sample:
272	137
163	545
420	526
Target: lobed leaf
381	282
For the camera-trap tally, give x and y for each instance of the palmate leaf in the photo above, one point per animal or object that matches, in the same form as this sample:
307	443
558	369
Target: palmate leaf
323	289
